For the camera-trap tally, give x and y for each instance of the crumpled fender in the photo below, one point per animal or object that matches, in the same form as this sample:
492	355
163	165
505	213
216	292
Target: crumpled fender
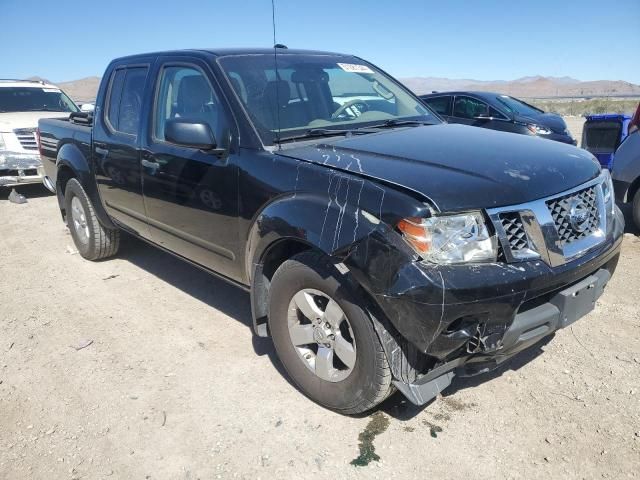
329	210
332	211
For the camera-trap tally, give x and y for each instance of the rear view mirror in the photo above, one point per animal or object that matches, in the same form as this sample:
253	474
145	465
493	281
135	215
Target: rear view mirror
189	133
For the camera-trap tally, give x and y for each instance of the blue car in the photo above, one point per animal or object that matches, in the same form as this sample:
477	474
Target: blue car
602	134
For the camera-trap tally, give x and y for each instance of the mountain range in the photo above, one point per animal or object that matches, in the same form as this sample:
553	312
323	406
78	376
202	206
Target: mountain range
528	87
85	89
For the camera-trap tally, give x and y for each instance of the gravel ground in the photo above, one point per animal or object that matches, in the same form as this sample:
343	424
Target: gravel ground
145	367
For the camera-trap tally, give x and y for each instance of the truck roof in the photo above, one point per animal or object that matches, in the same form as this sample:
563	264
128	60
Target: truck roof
477	93
221	52
12	82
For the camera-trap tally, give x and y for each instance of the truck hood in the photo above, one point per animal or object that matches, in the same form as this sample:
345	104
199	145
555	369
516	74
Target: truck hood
9	121
458	167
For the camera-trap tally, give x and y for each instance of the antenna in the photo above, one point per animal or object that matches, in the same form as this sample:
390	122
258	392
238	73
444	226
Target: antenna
275	61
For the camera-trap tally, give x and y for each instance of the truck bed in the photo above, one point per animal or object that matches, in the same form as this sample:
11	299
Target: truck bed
54	135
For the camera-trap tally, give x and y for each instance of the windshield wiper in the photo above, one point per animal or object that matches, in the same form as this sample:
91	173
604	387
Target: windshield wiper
394	122
326	132
44	109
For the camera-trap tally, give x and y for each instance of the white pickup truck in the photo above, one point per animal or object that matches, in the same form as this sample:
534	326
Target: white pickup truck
22	104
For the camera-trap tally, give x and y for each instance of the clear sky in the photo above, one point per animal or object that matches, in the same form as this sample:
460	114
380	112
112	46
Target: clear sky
486	40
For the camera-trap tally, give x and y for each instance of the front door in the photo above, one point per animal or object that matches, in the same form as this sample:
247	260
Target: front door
191	195
472	111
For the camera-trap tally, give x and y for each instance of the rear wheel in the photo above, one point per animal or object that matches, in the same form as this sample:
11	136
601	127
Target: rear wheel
324	337
91	238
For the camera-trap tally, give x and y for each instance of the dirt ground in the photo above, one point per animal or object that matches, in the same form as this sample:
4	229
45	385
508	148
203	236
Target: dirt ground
575	124
145	367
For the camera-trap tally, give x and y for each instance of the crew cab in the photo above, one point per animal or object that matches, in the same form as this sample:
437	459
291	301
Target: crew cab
383	248
22	104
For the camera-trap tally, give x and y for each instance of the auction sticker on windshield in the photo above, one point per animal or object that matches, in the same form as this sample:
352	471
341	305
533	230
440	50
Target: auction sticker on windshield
355	68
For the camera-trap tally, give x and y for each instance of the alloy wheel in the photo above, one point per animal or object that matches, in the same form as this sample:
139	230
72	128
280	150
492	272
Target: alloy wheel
321	335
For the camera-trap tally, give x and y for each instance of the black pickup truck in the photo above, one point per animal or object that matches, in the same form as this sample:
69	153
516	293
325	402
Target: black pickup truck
383	248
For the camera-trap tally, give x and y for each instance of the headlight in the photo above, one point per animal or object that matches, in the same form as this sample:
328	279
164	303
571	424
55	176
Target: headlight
607	192
538	130
450	239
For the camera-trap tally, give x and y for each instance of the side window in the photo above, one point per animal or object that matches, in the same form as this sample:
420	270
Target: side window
467	107
441	105
184	92
125	99
115	93
496	113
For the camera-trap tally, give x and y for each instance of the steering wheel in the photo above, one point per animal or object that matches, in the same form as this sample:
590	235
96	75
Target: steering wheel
349	104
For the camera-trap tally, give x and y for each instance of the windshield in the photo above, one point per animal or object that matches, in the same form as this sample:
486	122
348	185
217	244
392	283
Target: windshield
518	106
34	99
318	92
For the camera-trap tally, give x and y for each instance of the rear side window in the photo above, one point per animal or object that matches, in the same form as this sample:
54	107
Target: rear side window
467	107
441	105
125	99
115	92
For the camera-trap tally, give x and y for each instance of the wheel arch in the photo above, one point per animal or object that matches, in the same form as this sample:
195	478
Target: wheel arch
633	189
72	163
290	225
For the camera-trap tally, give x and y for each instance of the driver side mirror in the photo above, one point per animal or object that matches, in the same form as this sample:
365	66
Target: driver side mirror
190	133
87	107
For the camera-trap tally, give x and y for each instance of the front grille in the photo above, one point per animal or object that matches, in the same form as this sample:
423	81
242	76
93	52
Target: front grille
513	227
29	172
555	229
560	209
27	138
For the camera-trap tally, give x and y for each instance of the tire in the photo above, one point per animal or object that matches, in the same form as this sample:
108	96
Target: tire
348	389
636	209
93	240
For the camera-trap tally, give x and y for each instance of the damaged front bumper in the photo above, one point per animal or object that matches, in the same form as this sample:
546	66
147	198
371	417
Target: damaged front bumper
470	318
20	169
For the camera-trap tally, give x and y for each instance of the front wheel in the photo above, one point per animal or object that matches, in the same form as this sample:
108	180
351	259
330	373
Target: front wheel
324	337
93	241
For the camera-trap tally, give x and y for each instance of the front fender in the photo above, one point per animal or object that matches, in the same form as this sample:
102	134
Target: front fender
333	221
71	157
334	213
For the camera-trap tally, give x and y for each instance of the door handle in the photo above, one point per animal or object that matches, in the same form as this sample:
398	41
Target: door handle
149	164
101	148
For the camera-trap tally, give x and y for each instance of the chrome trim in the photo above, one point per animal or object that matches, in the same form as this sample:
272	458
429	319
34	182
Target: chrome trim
542	232
48	183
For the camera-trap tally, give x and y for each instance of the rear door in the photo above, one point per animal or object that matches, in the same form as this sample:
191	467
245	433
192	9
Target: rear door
191	195
116	147
441	105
